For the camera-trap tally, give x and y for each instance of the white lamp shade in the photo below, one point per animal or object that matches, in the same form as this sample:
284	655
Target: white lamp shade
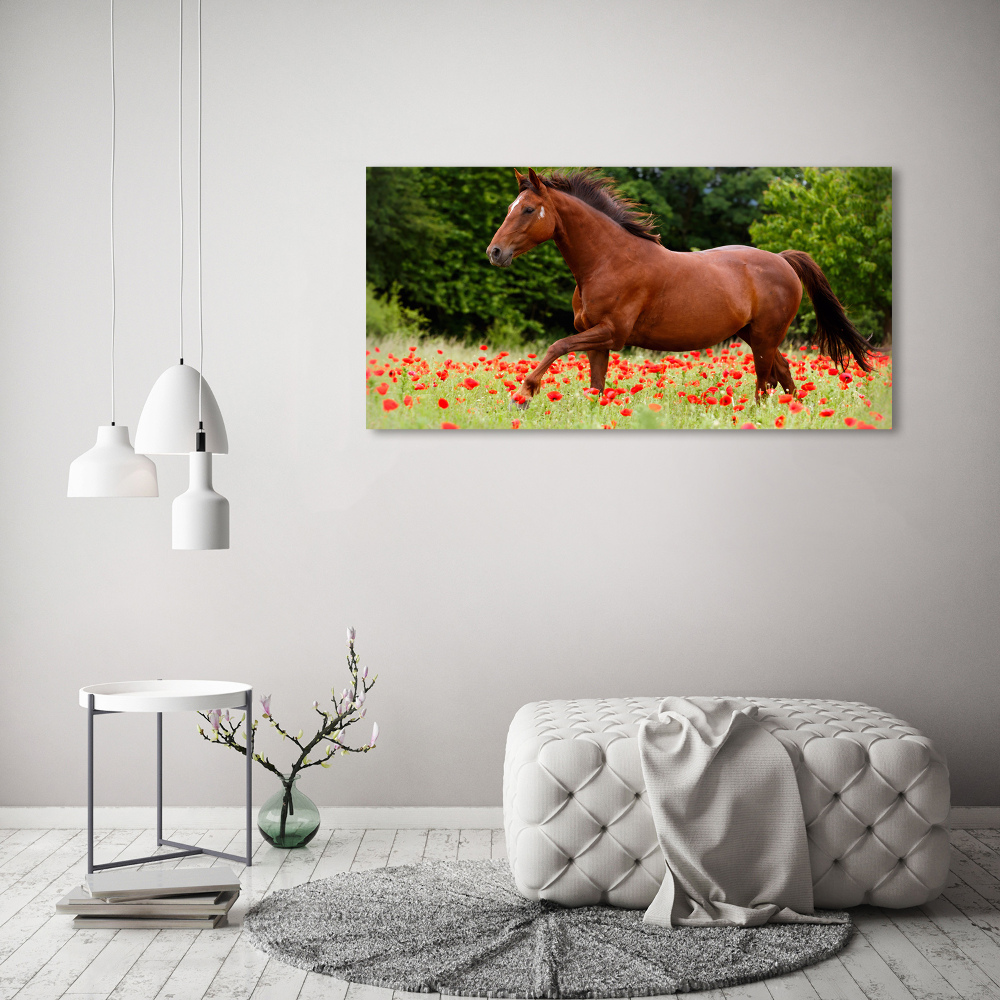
169	420
111	468
200	515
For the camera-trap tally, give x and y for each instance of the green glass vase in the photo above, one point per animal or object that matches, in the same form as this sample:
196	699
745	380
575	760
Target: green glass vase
289	818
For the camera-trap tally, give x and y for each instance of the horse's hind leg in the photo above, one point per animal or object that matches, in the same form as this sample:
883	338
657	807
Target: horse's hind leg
771	367
783	372
598	368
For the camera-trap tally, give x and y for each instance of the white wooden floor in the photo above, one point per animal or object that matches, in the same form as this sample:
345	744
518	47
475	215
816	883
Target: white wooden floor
948	948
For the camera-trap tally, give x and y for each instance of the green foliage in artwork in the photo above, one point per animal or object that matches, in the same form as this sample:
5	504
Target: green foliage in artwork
427	233
843	217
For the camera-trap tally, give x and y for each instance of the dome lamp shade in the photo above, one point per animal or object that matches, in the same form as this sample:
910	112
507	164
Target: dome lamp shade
111	468
169	421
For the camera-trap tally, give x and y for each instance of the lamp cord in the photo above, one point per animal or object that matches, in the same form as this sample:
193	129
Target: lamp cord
180	163
113	135
201	331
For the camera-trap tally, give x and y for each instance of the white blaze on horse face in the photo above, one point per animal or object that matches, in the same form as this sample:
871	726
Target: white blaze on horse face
541	212
513	204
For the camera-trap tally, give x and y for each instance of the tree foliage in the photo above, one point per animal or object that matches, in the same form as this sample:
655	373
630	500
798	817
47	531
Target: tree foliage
427	233
700	207
843	217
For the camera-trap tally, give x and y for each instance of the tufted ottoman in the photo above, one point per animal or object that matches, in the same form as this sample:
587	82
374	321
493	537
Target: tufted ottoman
579	831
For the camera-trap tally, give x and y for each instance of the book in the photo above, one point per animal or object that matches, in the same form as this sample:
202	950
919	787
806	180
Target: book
149	883
78	901
158	922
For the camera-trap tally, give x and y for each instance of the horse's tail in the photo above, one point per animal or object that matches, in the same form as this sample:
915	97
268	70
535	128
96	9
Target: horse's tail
834	331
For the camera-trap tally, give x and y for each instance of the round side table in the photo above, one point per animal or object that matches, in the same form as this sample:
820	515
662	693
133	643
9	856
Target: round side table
161	696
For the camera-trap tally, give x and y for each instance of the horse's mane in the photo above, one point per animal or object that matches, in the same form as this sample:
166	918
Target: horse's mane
600	192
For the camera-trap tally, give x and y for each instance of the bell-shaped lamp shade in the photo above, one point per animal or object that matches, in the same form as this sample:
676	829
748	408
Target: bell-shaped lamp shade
200	515
169	420
111	468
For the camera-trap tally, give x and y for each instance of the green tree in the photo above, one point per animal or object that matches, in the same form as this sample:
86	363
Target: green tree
700	207
428	229
843	217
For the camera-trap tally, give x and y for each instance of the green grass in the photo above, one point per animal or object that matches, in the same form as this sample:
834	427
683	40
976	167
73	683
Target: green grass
705	376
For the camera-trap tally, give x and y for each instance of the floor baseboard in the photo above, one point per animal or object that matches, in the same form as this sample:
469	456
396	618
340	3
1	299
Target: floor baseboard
974	818
233	817
333	817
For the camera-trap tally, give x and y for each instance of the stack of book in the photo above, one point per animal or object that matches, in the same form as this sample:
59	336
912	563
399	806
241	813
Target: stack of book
175	897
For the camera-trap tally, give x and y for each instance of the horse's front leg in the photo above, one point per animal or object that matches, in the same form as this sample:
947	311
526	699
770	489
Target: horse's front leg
598	368
597	338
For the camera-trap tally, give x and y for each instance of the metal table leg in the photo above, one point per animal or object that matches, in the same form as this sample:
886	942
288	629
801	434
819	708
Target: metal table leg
185	850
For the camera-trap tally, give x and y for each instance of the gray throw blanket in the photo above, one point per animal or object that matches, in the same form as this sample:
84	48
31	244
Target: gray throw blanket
728	818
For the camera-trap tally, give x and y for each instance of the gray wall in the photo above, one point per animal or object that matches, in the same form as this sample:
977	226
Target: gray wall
482	571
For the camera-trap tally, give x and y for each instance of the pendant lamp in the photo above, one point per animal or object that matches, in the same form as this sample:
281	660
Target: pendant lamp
181	415
111	468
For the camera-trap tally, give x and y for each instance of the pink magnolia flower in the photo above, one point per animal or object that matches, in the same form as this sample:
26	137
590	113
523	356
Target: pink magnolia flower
374	734
214	717
265	703
351	633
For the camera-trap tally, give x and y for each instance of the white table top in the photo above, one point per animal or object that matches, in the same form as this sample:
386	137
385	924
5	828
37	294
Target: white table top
165	695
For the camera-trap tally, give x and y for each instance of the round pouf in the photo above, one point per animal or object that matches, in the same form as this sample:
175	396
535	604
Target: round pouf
461	927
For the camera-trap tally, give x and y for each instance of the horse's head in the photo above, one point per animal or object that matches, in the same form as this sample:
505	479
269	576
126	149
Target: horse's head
530	221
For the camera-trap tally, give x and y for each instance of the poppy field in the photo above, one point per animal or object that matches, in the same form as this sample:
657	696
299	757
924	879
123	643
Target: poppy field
430	384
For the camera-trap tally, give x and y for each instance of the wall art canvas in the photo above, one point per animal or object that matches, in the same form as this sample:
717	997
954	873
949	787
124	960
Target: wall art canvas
620	298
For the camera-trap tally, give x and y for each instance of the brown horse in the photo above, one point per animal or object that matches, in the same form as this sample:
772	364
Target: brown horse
630	290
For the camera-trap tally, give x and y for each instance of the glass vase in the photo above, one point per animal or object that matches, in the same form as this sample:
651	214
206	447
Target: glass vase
289	818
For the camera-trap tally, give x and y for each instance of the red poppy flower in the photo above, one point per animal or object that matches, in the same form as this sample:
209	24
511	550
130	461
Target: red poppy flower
626	412
449	427
518	398
470	383
710	401
638	387
780	422
382	389
605	400
846	377
831	371
515	424
725	400
443	403
482	347
555	395
407	401
655	406
390	404
748	427
850	421
795	407
877	416
826	413
785	398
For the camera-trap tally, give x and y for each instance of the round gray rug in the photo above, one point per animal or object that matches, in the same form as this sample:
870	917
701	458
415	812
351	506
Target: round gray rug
461	927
